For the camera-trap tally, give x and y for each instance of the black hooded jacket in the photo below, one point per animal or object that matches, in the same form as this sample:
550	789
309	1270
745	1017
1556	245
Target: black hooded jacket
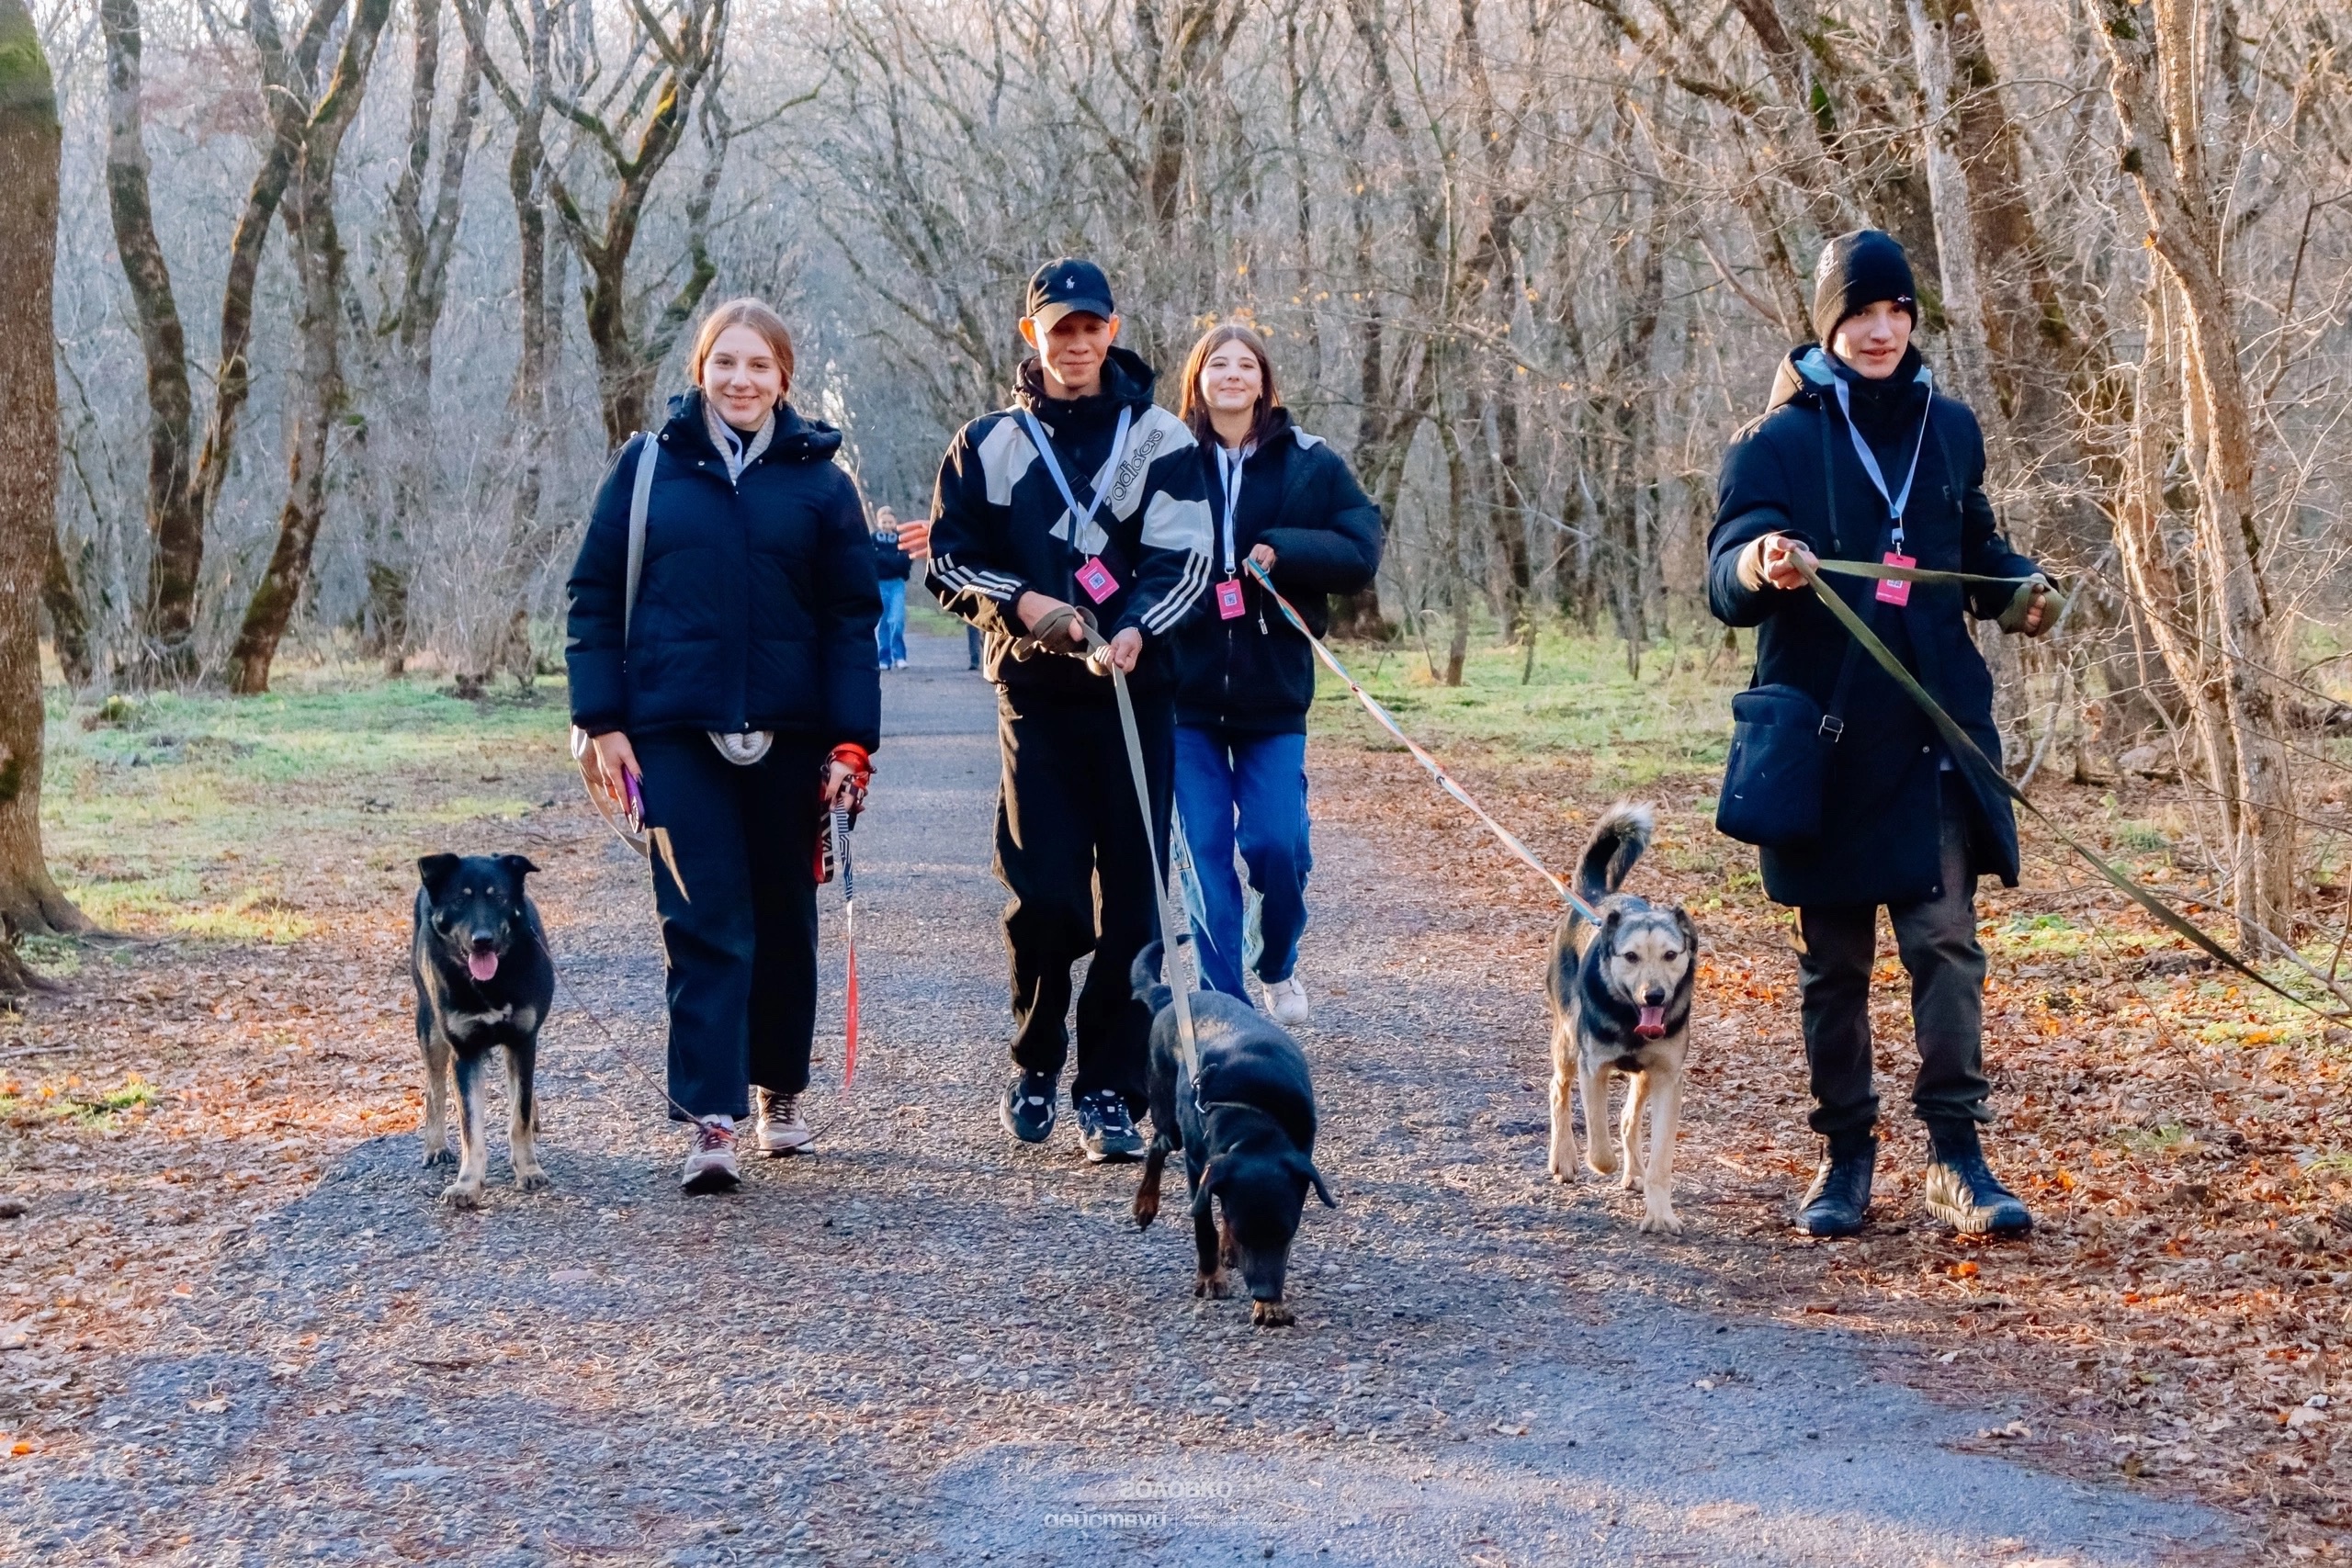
999	527
1795	472
1254	673
756	600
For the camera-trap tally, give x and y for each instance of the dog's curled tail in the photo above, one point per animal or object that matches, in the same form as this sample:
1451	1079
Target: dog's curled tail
1144	975
1618	840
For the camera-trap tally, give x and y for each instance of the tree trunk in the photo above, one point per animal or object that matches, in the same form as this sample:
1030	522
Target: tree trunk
68	622
175	523
30	148
323	398
2159	90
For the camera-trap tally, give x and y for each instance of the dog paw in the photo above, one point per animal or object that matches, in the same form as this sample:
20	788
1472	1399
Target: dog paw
1212	1285
1270	1314
459	1195
1631	1181
532	1180
1662	1222
439	1156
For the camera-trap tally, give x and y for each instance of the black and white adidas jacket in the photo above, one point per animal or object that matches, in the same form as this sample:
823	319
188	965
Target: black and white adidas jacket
1000	528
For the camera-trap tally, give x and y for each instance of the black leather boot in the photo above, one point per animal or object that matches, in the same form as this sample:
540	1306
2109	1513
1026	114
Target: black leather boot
1961	1189
1839	1197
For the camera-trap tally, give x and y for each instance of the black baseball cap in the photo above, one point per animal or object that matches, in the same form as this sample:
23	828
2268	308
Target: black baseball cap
1067	285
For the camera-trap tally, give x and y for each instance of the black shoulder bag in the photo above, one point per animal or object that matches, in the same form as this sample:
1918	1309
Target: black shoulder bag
1781	738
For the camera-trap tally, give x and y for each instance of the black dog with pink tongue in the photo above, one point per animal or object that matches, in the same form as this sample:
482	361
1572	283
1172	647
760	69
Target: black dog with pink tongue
483	981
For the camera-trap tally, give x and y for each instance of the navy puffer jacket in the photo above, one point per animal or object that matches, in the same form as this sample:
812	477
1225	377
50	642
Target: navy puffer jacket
756	602
1795	472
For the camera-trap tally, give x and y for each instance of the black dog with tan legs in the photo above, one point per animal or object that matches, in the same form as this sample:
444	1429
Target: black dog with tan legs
483	981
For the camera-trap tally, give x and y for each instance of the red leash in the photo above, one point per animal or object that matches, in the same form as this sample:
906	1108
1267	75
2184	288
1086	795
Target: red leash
849	927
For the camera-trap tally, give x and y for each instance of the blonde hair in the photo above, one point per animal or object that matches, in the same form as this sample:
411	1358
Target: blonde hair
1195	410
756	315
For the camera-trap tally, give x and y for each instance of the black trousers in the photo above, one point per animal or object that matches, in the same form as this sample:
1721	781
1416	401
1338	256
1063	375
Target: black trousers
741	939
1071	850
1937	941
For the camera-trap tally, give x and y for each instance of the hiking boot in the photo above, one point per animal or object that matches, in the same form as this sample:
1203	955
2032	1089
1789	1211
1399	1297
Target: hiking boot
1028	1108
1287	999
781	1129
1961	1189
1839	1198
710	1164
1107	1129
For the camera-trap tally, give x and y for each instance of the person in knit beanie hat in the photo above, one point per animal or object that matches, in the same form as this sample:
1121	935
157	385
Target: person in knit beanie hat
1862	457
1857	271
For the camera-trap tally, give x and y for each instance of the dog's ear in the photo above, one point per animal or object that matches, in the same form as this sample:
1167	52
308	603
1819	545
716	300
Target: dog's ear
434	872
1613	919
1689	931
1321	1192
519	864
1208	1190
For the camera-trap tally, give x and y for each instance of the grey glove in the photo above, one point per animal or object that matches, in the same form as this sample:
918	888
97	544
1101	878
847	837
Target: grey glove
2021	603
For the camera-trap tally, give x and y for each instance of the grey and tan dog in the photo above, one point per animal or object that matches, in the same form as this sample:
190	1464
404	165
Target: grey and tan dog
1621	1003
483	981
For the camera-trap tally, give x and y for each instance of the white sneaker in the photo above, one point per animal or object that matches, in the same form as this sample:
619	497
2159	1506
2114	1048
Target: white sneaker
710	1164
1287	999
781	1129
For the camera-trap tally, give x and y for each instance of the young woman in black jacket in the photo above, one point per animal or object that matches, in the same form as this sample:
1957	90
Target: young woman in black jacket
1245	676
739	696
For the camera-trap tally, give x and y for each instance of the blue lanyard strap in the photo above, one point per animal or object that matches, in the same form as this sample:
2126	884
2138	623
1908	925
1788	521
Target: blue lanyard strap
1081	518
1228	470
1896	502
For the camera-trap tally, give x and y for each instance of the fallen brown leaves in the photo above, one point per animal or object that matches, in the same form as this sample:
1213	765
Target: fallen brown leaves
2179	1314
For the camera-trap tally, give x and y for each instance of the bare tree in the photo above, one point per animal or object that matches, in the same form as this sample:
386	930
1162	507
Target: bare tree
29	140
319	259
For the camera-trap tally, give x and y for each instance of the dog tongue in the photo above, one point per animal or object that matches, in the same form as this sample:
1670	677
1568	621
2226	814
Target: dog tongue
1651	1025
483	965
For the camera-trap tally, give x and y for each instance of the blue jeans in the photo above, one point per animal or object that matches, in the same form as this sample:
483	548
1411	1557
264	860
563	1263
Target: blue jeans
890	632
1259	779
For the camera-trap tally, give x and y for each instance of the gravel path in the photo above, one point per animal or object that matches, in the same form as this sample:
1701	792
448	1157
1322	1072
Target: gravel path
923	1344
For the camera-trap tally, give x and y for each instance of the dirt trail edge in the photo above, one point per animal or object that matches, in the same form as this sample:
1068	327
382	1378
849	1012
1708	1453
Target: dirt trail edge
921	1345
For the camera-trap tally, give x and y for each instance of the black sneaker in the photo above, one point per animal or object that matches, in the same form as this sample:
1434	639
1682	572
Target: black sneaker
1106	1130
1961	1190
1839	1199
1027	1111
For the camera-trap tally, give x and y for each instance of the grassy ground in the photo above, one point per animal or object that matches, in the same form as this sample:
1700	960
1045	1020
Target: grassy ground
203	815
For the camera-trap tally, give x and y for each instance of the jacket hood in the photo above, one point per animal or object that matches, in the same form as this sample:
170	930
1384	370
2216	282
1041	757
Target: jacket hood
797	440
1126	383
1279	429
1807	372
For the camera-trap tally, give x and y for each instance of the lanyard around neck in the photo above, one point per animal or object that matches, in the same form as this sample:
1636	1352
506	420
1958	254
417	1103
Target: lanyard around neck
1081	518
1898	499
1228	470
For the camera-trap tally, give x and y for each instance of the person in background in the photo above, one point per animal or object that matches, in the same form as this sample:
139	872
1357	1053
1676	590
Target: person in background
914	539
1861	458
1244	675
891	568
739	697
1084	493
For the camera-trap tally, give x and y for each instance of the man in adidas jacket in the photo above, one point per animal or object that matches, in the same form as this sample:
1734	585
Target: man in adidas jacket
1084	492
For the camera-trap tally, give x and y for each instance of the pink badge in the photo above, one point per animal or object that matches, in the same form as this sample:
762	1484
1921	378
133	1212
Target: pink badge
1096	579
1891	591
1228	599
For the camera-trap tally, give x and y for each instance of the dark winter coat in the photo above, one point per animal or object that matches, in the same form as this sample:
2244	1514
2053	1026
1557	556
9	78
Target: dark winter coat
756	603
891	564
999	527
1255	673
1797	473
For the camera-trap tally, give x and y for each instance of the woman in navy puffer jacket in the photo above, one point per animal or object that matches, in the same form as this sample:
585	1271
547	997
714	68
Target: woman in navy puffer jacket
741	693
